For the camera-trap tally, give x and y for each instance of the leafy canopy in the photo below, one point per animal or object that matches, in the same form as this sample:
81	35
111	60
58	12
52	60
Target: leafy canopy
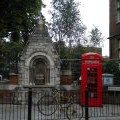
66	24
18	16
95	37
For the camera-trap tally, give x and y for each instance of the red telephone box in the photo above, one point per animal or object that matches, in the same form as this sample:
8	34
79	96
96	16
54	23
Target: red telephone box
91	79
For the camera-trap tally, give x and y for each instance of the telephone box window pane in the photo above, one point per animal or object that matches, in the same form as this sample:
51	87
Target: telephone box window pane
92	82
92	72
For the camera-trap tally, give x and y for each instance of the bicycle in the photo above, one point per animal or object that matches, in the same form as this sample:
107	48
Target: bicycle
48	104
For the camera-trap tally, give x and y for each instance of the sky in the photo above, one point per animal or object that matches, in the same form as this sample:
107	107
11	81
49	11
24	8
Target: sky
93	13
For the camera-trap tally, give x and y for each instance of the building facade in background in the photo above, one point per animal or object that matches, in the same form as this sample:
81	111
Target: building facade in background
114	29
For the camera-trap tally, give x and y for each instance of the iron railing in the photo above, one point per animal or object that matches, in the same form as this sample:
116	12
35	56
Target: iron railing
23	105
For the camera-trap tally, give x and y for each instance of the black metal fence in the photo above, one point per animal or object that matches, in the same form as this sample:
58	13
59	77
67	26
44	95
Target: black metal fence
38	104
46	104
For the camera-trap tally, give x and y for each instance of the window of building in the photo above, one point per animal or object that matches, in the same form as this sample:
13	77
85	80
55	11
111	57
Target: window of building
119	54
118	10
1	78
119	48
118	43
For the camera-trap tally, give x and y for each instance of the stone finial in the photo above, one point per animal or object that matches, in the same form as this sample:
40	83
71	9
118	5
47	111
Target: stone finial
41	19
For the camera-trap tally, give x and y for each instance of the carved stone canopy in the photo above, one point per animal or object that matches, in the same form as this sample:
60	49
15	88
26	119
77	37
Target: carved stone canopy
38	60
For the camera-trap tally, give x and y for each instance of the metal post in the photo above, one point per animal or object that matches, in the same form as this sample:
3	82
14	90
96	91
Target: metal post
86	104
29	103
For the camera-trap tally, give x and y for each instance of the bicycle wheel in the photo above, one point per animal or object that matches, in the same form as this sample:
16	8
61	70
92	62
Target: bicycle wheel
74	111
47	105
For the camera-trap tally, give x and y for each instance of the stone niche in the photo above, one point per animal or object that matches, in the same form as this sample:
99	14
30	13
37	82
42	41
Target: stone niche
39	63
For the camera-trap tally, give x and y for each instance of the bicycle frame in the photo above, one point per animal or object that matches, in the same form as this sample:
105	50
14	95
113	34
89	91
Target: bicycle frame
58	96
48	105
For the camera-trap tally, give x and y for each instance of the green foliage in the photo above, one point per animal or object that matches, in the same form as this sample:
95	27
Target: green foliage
96	38
63	50
66	23
112	67
17	20
18	16
9	56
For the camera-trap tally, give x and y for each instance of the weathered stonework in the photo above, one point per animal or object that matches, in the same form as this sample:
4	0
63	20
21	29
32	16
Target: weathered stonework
39	51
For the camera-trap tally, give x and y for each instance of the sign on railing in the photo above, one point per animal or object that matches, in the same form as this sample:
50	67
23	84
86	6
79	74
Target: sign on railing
113	88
